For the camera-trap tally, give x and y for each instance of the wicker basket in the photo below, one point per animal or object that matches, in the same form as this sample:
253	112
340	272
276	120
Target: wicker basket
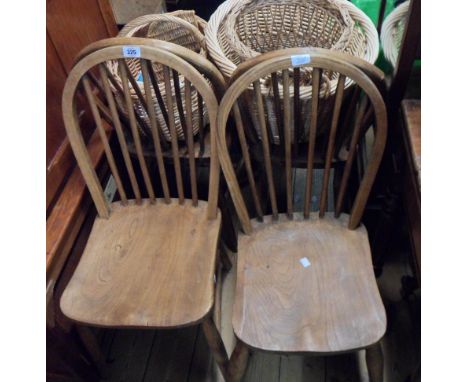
242	29
391	35
182	28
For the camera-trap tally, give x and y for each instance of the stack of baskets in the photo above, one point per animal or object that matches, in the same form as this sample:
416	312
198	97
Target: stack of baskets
242	29
391	35
182	28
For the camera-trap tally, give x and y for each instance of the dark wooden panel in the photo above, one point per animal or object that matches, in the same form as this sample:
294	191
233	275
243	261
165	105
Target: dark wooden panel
65	220
71	25
57	172
108	17
411	111
59	159
56	76
74	24
412	117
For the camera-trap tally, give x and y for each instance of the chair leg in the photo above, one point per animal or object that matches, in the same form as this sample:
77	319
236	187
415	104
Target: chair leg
224	257
228	229
215	342
218	297
375	363
92	347
238	361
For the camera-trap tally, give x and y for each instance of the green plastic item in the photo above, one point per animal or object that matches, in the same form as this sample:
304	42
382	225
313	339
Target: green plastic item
372	7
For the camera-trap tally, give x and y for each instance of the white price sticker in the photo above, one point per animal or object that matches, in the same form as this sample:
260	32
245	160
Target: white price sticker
305	262
300	59
131	51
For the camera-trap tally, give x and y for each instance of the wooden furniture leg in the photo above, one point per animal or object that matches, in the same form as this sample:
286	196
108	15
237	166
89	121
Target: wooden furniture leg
224	257
62	350
228	229
215	342
218	298
375	364
238	361
92	347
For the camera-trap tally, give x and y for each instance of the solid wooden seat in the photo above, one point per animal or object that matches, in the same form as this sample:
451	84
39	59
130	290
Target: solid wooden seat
148	265
305	281
150	259
332	305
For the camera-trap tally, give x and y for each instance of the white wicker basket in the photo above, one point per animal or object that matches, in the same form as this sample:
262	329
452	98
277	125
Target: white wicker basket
242	29
183	28
392	31
221	51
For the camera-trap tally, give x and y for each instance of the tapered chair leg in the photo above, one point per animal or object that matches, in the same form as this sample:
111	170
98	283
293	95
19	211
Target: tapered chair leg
238	362
375	363
218	297
215	342
92	347
224	257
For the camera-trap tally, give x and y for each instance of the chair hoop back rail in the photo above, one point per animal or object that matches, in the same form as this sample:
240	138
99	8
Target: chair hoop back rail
279	65
371	70
84	74
202	64
148	262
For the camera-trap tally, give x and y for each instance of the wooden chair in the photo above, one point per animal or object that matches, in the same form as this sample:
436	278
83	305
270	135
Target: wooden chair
205	67
305	282
342	135
202	141
149	261
348	103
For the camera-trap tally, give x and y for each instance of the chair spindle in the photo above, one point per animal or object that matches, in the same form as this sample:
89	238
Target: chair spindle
120	134
146	68
173	132
189	137
102	133
316	77
266	148
135	133
287	142
331	143
351	155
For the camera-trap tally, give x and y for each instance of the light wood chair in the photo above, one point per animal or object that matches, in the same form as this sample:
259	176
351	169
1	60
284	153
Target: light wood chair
150	261
343	132
206	68
305	282
350	97
202	141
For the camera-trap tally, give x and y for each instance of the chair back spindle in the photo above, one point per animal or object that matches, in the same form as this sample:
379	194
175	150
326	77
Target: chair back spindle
370	107
331	142
316	76
287	136
114	103
133	124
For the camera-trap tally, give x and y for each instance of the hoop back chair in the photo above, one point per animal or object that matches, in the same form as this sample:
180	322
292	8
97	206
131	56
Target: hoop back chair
305	281
202	141
350	97
206	68
150	259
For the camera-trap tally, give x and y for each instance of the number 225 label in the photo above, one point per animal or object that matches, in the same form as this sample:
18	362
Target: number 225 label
131	51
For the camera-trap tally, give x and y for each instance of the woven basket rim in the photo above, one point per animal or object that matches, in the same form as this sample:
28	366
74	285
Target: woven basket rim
140	22
390	45
250	6
227	67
